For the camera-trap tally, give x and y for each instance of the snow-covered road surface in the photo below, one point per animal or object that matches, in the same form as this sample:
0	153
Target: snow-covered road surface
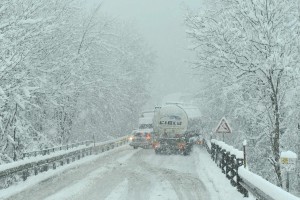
132	174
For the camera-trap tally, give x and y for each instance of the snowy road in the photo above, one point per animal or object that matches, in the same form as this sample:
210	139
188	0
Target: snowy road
131	174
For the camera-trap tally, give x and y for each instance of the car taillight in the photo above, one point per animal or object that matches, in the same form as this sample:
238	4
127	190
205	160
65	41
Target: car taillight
148	137
156	145
181	145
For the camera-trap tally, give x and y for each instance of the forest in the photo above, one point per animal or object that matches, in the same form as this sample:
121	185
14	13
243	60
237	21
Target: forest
247	53
67	74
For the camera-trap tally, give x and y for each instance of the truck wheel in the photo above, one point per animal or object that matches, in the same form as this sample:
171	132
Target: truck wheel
134	147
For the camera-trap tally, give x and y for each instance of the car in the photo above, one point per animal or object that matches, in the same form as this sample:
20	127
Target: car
141	138
197	140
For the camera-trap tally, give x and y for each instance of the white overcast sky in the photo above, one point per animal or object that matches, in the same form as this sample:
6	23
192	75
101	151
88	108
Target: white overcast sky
161	24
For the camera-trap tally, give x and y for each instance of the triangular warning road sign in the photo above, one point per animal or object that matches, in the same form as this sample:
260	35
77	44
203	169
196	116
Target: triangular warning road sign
223	127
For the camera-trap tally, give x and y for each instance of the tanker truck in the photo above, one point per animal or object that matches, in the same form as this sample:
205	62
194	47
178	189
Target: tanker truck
172	130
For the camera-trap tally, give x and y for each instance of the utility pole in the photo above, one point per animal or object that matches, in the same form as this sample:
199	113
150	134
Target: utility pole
288	181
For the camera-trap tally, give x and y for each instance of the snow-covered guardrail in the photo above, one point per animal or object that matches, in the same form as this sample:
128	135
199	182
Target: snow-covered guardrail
207	145
261	188
20	170
55	149
231	161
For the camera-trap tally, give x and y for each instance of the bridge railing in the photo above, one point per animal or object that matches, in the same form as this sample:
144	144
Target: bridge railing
261	188
20	170
55	149
231	161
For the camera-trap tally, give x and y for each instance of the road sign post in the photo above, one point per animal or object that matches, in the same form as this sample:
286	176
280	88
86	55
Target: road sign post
288	162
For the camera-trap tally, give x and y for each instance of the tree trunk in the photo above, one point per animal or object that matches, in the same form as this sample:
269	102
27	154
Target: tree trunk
15	137
276	140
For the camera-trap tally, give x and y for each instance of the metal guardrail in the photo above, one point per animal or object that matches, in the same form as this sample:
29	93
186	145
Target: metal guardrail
207	146
230	165
258	193
34	166
261	188
55	149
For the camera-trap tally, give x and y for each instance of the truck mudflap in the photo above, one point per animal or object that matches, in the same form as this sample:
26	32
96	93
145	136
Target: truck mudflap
172	146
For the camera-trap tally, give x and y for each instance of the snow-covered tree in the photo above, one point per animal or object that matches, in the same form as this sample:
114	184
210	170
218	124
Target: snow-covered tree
249	50
23	26
66	75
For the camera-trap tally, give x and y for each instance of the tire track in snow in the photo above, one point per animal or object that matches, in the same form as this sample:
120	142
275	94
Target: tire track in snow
163	191
185	185
128	175
74	190
119	192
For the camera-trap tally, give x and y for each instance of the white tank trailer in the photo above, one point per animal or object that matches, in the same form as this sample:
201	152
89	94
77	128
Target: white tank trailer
170	126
